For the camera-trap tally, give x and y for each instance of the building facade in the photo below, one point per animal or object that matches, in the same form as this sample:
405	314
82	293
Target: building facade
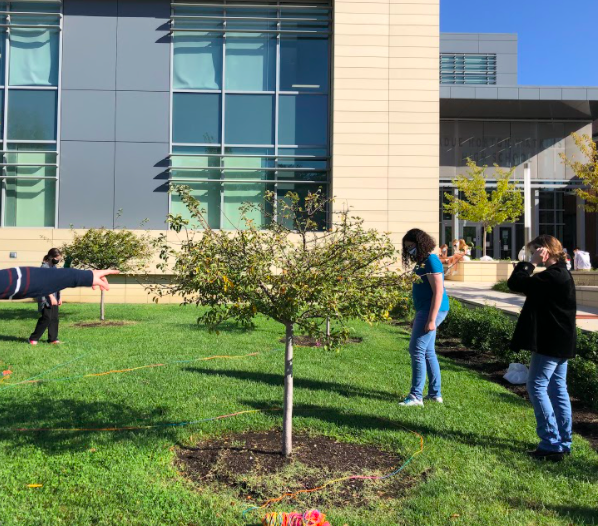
110	102
487	117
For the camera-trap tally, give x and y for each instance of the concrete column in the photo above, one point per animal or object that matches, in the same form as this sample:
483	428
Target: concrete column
581	222
455	222
536	213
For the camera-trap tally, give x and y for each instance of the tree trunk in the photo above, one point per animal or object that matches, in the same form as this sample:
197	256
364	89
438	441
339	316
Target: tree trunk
102	317
484	241
287	423
328	329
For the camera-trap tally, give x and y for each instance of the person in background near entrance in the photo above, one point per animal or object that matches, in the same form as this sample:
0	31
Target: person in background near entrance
567	258
48	306
581	260
546	327
465	249
444	258
431	307
456	247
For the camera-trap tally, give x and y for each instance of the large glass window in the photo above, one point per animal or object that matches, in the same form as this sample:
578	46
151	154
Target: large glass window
250	90
29	66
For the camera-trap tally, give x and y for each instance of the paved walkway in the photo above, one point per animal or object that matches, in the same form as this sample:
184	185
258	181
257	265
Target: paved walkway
482	294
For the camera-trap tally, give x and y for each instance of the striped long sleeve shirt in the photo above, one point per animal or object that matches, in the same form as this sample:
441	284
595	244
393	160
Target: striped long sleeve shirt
31	282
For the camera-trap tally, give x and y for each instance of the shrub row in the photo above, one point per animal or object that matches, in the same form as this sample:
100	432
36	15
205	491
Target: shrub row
487	329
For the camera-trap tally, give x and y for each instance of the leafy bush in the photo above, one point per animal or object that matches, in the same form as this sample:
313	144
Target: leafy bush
488	329
501	286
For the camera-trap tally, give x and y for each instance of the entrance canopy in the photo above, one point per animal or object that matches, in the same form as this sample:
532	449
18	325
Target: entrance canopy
519	102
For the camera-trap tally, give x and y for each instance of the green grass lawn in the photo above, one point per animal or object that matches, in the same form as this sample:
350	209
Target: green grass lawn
476	472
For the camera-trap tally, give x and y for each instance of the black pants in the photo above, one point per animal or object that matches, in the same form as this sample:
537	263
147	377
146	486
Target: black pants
48	320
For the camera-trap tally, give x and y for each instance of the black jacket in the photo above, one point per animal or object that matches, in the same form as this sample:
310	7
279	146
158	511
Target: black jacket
29	282
546	324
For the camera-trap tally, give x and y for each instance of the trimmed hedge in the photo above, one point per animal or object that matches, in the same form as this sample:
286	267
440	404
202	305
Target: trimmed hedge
487	329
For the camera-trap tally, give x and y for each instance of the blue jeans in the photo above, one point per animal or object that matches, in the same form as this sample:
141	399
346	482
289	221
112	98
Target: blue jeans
547	388
423	356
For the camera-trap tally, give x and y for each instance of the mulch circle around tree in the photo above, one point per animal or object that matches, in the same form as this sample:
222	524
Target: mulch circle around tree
253	466
92	324
585	421
309	341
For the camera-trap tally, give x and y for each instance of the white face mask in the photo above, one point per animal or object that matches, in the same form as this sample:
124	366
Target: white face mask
412	252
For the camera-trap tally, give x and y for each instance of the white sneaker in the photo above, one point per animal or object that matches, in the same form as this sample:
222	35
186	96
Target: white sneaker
437	399
411	401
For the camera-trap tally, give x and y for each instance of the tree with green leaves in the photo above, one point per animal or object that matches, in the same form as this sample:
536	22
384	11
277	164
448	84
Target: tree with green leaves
503	204
101	248
291	271
586	169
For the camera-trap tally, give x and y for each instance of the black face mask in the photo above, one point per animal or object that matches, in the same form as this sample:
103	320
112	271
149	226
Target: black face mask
55	261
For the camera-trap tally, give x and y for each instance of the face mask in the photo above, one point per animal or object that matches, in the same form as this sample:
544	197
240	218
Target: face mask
55	261
412	252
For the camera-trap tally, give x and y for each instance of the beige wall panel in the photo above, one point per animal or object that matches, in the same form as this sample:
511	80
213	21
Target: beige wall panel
361	51
403	84
363	62
361	94
361	105
370	116
417	138
414	41
359	117
358	161
420	184
360	19
361	73
359	195
418	31
411	106
414	52
411	127
415	95
25	233
414	63
378	183
361	30
361	84
415	8
411	174
397	21
410	194
414	149
364	149
343	128
382	8
407	117
350	171
413	160
359	138
361	40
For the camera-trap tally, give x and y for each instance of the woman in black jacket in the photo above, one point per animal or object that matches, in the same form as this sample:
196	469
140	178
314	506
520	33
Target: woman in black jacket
546	326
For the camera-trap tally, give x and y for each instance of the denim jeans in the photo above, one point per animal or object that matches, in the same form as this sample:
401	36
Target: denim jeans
547	388
423	356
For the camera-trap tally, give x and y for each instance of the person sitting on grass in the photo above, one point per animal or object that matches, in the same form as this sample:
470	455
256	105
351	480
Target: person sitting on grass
546	327
31	282
431	306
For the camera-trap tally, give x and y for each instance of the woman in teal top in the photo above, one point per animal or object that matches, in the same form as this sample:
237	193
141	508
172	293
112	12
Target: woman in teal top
431	307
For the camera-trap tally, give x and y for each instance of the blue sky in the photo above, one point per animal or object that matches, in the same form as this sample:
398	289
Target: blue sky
558	39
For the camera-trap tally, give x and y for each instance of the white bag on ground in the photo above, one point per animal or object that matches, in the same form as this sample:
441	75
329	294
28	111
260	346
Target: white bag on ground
516	374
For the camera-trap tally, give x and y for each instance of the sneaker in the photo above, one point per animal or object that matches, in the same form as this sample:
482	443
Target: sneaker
33	342
411	401
55	342
542	454
437	399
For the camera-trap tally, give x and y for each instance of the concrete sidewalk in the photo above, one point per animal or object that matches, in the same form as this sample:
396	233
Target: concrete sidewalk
482	294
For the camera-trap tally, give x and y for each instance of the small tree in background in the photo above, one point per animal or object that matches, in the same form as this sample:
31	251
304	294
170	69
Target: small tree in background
587	170
504	204
288	271
101	248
